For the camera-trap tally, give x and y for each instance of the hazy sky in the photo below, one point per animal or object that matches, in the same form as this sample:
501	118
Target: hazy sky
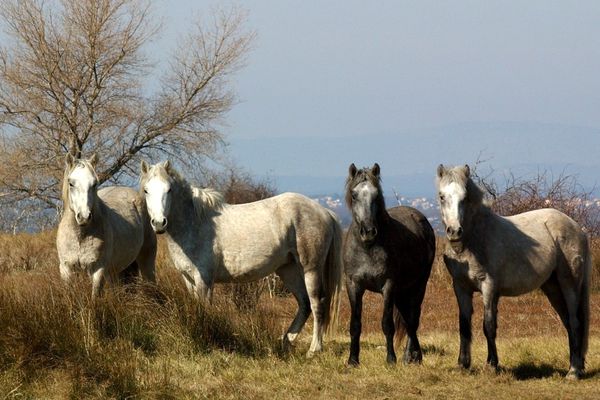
354	68
359	67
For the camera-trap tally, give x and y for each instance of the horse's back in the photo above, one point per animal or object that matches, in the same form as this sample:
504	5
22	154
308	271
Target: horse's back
552	227
414	226
252	238
123	201
126	216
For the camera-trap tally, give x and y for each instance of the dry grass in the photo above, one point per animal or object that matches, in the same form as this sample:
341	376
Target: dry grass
154	342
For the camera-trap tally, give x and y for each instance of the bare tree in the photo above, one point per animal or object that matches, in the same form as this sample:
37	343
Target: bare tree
74	78
543	190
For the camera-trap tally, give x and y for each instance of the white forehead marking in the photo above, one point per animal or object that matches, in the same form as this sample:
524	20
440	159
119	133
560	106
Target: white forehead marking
156	184
453	189
365	187
82	175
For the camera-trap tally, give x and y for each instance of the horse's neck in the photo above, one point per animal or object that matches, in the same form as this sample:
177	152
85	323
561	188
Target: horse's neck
183	219
481	223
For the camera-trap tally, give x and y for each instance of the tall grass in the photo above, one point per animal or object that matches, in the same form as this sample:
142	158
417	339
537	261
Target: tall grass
104	346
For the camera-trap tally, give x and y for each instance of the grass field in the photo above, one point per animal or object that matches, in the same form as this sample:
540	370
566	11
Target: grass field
154	342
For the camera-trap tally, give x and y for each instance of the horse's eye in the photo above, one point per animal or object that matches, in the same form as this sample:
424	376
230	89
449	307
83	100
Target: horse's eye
354	196
71	184
146	191
441	197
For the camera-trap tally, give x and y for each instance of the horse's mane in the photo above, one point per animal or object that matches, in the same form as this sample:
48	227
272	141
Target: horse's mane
475	194
362	175
204	199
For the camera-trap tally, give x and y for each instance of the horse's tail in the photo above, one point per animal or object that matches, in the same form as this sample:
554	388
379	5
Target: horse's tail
400	327
332	277
583	312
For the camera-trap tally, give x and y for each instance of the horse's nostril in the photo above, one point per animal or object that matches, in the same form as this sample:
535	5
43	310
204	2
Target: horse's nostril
449	230
459	231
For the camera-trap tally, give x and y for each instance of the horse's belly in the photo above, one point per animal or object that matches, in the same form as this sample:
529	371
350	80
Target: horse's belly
249	265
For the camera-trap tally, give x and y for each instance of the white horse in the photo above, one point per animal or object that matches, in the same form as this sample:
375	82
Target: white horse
102	232
213	242
510	256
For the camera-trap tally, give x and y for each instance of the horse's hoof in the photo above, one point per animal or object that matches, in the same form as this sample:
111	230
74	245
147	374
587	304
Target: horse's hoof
574	374
414	357
492	368
464	363
391	360
352	363
311	353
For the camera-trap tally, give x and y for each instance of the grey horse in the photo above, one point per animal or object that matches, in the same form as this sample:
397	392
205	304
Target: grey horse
212	242
509	256
102	232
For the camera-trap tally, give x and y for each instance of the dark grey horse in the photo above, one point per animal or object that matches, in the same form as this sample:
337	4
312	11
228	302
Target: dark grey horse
388	252
509	256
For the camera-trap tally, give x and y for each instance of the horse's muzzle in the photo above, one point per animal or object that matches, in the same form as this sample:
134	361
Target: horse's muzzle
368	234
159	226
82	219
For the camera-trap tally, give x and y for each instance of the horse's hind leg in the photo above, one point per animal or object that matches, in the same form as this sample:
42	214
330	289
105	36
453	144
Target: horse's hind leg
409	306
572	298
314	288
292	278
387	321
552	290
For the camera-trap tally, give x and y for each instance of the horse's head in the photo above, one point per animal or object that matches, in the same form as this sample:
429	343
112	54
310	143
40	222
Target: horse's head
458	197
157	181
365	199
80	187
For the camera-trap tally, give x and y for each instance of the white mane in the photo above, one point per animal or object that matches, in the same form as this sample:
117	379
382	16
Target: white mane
205	200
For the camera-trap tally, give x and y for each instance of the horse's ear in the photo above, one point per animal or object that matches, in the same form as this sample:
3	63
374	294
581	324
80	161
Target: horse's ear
467	170
167	166
144	167
69	160
376	170
352	170
94	159
441	170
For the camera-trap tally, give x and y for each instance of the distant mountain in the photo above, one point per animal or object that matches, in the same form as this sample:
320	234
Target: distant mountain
408	158
426	205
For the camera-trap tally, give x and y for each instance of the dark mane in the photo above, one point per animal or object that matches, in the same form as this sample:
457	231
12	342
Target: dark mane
362	175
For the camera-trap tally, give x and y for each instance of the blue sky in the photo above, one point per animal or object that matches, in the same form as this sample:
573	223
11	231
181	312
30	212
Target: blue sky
347	69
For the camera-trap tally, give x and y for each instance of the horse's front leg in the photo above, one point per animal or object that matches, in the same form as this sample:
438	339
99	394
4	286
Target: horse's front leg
490	318
98	280
203	285
465	306
355	295
387	321
66	272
